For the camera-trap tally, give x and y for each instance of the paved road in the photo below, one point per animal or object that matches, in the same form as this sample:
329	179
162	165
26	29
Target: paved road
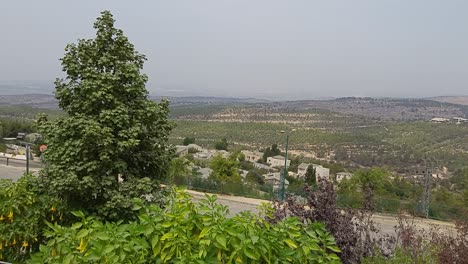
237	204
9	172
386	223
33	164
14	173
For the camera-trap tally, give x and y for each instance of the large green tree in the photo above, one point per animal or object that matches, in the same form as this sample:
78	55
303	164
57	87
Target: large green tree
112	135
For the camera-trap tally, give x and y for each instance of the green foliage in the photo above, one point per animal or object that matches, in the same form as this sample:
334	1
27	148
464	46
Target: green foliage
10	127
24	113
255	177
188	141
311	176
112	130
404	256
23	210
225	170
270	152
368	182
185	232
179	169
222	144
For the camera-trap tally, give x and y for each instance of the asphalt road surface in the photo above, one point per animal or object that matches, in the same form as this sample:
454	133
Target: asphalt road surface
238	204
10	172
386	223
33	164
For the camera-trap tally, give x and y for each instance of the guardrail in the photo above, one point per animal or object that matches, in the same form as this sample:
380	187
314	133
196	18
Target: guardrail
8	160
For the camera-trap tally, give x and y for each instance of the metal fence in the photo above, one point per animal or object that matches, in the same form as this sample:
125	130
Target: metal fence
383	204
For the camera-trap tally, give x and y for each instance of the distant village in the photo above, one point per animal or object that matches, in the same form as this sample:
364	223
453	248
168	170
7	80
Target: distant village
273	167
455	120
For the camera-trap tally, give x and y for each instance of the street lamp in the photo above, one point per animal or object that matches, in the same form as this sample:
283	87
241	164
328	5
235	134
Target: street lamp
285	169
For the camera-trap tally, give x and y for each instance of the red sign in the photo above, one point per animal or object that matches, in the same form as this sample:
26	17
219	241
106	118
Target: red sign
42	148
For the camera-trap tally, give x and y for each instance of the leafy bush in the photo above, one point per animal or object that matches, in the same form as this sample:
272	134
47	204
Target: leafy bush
188	232
23	210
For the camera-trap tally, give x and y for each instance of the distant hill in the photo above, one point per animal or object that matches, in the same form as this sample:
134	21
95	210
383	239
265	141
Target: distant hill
33	100
190	100
463	100
48	100
219	108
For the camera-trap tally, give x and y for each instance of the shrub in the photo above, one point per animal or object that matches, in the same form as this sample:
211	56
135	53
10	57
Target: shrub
187	232
23	210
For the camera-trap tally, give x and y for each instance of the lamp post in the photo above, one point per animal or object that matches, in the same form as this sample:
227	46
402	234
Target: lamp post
285	169
28	153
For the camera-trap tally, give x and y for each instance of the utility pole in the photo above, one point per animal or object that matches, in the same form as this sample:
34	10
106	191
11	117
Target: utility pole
285	170
426	199
28	153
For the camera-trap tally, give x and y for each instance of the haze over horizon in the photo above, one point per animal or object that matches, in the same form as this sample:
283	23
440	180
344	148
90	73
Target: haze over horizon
263	49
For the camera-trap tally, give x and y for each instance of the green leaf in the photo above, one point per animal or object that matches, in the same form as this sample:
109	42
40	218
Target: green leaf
221	239
82	233
204	232
250	253
77	225
334	249
166	236
78	214
290	243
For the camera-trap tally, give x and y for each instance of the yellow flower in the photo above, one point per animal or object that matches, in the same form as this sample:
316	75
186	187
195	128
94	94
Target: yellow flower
53	209
52	218
25	244
2	218
1	245
61	218
82	246
6	243
14	242
54	252
10	216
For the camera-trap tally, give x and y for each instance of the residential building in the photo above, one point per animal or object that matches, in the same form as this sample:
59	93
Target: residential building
277	161
321	172
261	166
274	179
222	152
182	150
243	173
195	146
343	175
440	120
20	136
252	156
302	169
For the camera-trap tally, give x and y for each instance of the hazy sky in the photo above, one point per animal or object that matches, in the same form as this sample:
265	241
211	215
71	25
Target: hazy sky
271	49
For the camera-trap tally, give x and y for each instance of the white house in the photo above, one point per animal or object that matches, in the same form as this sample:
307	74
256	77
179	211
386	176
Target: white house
440	120
321	172
343	175
277	161
302	169
274	178
195	146
261	166
252	156
181	150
